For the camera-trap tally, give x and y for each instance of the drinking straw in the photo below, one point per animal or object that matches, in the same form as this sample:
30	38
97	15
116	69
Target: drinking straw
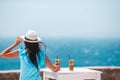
57	56
69	56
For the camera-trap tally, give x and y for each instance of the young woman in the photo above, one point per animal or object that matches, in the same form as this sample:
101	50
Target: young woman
32	57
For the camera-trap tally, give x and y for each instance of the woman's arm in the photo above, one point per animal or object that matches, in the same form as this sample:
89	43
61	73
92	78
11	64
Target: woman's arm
12	54
54	68
7	53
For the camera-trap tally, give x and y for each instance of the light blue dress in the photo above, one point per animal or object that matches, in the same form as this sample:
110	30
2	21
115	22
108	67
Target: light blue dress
28	70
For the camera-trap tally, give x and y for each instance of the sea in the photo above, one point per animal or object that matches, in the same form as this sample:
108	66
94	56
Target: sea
84	52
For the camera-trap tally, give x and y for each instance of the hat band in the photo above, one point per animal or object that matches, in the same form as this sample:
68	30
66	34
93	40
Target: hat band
30	39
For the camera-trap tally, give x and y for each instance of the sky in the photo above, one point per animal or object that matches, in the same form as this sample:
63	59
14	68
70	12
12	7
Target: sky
61	18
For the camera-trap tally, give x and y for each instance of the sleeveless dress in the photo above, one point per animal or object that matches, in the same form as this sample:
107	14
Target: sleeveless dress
27	69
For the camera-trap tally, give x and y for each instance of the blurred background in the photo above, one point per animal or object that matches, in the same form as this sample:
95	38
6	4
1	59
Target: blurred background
87	30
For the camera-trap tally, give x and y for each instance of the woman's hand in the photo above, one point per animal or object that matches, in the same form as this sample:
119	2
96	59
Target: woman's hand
18	40
56	68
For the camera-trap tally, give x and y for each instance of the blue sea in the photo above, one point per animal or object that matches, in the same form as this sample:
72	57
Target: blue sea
84	52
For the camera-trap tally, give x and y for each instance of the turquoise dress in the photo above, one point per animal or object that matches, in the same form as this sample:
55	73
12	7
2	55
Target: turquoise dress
28	70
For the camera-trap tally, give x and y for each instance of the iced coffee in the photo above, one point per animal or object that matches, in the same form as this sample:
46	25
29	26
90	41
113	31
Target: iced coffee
71	65
57	61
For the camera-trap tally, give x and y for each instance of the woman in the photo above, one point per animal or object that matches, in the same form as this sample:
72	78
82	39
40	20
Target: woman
32	57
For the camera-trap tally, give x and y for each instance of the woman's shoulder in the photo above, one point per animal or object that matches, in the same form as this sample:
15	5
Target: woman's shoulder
21	51
42	52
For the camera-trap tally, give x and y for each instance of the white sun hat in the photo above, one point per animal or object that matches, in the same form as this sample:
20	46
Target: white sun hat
31	37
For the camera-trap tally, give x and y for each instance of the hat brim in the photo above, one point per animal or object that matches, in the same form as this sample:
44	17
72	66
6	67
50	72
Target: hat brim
38	40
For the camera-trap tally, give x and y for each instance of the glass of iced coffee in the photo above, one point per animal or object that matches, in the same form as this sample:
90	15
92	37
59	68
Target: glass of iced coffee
71	64
57	61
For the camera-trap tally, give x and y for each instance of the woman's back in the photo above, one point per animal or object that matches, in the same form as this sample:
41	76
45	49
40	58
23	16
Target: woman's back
28	69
